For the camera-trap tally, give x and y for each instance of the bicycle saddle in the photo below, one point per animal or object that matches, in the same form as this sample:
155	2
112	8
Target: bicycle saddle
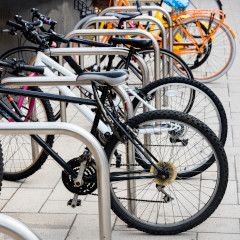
123	16
136	43
112	78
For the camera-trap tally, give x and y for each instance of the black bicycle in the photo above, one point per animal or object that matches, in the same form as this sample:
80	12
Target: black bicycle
163	199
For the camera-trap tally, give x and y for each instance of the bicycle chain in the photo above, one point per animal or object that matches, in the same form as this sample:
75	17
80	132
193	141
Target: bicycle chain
132	199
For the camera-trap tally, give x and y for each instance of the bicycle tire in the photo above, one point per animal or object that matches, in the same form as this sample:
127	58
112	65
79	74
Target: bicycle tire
195	86
176	60
135	221
209	4
204	76
36	165
22	53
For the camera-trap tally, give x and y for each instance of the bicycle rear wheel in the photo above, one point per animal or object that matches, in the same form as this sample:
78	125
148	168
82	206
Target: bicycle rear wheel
172	204
179	68
190	97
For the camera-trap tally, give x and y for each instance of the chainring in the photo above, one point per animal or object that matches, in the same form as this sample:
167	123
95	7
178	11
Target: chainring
86	187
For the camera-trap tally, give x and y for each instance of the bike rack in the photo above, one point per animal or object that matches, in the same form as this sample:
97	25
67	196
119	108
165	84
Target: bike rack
95	51
137	19
99	51
71	80
145	9
110	32
15	228
103	177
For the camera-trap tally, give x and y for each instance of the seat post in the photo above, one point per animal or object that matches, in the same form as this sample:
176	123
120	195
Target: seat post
129	57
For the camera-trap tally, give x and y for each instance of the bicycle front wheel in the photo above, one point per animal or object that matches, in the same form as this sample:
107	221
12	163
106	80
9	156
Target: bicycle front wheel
218	51
169	204
22	156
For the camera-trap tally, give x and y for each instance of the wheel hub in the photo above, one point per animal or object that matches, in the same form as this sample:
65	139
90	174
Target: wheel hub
168	174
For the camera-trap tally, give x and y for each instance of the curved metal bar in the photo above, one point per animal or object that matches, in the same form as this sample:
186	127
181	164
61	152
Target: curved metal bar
103	178
144	9
137	19
101	51
110	32
15	229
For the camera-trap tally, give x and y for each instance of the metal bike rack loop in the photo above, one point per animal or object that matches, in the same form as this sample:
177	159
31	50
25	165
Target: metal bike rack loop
71	80
137	19
95	51
122	32
100	51
103	177
110	32
146	9
15	229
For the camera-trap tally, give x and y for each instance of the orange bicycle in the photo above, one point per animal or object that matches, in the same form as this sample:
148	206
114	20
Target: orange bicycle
201	37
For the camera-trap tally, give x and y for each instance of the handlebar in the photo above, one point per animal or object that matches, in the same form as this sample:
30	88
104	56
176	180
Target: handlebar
14	25
20	66
19	20
46	20
44	39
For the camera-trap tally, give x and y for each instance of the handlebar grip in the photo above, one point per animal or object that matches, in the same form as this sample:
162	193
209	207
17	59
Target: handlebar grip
29	68
15	25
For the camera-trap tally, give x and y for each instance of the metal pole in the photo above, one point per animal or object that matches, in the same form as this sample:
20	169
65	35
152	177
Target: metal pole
103	177
146	9
15	229
137	19
110	32
130	158
35	146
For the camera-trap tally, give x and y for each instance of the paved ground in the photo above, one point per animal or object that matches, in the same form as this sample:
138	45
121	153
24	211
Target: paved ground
40	201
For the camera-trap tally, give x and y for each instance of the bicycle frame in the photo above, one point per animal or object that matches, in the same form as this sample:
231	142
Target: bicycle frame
69	99
44	60
181	48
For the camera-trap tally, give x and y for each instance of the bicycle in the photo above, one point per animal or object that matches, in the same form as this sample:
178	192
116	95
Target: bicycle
197	34
197	100
175	132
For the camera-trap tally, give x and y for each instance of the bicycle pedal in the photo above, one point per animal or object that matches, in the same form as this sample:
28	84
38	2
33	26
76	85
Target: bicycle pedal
75	202
73	205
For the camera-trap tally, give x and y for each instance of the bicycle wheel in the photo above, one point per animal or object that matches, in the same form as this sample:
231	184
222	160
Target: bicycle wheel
170	204
21	156
187	96
180	68
28	54
219	51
